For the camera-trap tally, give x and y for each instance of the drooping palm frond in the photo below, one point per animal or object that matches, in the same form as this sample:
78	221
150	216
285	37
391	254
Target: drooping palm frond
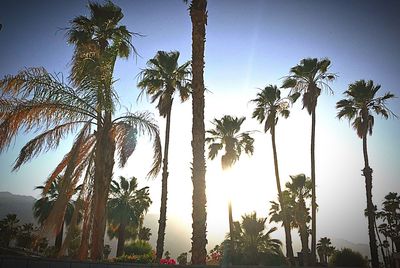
139	124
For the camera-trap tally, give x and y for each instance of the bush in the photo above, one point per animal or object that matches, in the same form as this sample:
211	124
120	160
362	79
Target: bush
138	248
143	259
347	258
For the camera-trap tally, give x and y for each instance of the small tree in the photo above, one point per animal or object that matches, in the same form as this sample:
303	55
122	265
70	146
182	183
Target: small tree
182	258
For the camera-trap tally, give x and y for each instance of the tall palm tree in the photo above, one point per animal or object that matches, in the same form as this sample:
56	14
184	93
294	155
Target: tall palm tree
126	205
300	191
198	15
270	106
36	100
98	41
43	206
309	78
227	135
160	80
360	102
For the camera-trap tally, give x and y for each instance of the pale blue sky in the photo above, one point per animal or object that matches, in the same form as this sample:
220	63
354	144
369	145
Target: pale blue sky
249	44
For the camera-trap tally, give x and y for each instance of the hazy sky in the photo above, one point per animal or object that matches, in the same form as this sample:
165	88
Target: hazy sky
249	44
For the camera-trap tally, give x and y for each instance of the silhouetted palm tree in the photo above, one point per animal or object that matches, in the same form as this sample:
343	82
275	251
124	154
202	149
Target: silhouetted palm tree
254	240
360	102
309	78
226	135
300	190
162	78
43	206
126	206
9	229
324	249
198	15
270	106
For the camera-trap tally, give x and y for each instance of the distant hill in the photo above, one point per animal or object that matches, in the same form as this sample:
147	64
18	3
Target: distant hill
177	238
17	204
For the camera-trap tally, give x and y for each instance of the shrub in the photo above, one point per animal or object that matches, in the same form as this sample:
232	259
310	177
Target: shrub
143	259
138	248
347	258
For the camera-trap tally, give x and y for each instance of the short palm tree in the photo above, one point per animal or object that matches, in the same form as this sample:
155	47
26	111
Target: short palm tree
9	229
43	206
300	191
309	78
227	135
360	102
325	249
270	106
255	240
161	80
126	205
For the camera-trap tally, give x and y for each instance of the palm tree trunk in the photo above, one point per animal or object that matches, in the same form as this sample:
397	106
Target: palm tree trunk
104	163
87	224
380	242
231	233
304	244
198	16
164	192
286	224
367	172
59	238
313	192
121	238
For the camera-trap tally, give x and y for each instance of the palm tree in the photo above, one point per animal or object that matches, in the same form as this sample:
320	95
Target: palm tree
300	190
98	41
25	236
36	100
227	135
325	249
198	15
160	80
255	240
309	78
9	229
126	206
270	106
360	102
43	206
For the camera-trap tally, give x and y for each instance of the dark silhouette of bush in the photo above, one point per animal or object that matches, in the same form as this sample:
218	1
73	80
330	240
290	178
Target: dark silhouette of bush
347	258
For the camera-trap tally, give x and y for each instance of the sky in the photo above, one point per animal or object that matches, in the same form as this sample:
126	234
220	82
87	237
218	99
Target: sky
249	44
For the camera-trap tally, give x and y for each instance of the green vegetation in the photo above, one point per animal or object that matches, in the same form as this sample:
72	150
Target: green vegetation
126	206
348	258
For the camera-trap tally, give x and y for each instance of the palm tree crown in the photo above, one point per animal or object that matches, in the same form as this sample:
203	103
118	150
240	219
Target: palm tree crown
127	201
359	104
309	78
163	78
227	134
270	105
